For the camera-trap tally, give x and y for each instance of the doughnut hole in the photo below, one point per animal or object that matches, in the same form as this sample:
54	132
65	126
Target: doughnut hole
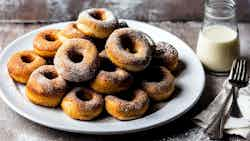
83	96
75	56
128	44
98	15
27	58
154	75
50	75
50	38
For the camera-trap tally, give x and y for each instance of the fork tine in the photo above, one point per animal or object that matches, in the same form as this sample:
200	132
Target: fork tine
232	70
236	70
243	70
240	70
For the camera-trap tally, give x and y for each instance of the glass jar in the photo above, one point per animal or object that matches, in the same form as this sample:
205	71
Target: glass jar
218	42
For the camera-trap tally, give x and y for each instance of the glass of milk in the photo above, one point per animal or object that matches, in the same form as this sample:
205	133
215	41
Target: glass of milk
218	42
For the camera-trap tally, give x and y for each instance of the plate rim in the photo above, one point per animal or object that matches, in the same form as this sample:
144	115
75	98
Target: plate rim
41	122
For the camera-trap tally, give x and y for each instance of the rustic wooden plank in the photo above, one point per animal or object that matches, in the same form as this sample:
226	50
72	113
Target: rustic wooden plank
39	10
14	127
145	10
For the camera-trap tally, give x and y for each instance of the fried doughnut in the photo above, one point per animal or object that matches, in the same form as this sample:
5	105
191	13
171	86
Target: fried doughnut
127	110
45	87
22	64
129	49
160	84
77	60
165	54
69	32
111	79
82	104
97	22
47	42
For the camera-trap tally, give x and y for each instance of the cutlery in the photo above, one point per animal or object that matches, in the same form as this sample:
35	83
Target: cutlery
238	78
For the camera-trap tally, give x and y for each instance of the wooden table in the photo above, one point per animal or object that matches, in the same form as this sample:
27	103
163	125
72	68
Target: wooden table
14	127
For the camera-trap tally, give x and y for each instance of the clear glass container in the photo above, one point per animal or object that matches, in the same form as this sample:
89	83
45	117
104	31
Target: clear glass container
218	42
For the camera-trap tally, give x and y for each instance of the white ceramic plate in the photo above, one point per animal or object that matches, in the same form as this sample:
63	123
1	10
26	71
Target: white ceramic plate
190	82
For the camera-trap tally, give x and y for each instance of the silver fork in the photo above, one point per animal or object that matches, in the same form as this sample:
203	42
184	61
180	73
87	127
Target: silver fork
238	78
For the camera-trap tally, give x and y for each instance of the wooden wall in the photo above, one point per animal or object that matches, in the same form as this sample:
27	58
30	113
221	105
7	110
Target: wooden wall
145	10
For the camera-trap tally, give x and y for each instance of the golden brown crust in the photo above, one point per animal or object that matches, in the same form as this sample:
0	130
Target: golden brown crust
128	49
111	82
110	79
97	22
45	87
160	90
77	60
86	109
47	42
70	31
166	55
22	64
127	110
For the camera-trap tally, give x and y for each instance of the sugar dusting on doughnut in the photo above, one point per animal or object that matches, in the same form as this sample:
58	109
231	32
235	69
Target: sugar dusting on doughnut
127	110
45	87
82	108
97	22
22	64
129	49
68	64
165	54
110	79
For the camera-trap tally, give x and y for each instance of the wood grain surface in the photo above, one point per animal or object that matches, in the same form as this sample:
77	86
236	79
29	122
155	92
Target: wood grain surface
15	128
156	12
144	10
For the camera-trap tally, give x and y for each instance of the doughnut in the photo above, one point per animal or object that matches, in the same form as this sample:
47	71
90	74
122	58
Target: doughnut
165	54
77	60
45	87
129	49
160	84
82	104
22	64
97	22
111	79
69	32
47	42
127	109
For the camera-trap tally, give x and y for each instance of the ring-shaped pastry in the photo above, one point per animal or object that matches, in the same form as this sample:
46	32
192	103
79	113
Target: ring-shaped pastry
82	104
129	49
45	87
77	60
97	22
47	42
110	79
160	84
127	110
22	64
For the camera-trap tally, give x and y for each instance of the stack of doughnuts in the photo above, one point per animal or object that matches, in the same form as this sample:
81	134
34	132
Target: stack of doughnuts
99	64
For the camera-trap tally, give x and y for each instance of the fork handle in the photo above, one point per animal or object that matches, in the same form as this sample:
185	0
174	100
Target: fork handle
235	110
216	128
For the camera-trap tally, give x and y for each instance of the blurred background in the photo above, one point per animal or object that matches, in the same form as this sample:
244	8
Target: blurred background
144	10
